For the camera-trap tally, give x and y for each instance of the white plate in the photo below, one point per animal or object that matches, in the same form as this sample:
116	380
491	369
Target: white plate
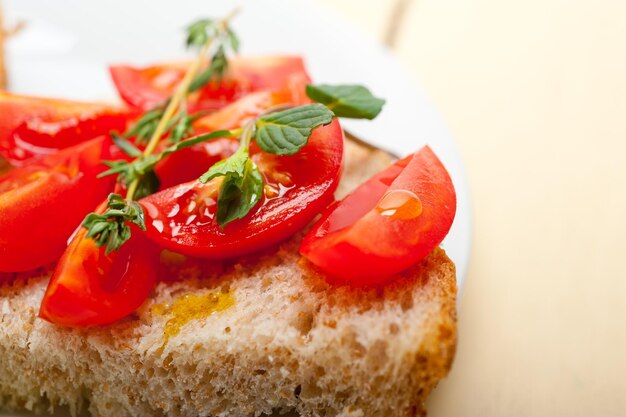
67	44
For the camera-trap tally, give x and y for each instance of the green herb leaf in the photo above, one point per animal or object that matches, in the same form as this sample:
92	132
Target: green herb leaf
233	40
122	168
238	195
242	188
202	79
199	32
146	125
216	70
224	41
182	126
195	140
286	132
129	171
110	229
142	168
148	185
234	165
127	147
351	101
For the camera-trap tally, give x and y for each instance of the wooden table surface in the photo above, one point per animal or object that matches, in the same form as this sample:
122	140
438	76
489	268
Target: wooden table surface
534	93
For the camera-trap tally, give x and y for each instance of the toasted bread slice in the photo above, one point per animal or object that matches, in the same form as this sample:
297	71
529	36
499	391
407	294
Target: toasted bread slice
266	333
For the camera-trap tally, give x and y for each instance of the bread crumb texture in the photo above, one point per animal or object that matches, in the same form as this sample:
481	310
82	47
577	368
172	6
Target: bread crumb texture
264	334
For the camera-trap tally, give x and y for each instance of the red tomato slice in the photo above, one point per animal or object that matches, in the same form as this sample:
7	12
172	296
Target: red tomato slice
190	163
148	87
387	224
297	187
44	201
33	126
89	288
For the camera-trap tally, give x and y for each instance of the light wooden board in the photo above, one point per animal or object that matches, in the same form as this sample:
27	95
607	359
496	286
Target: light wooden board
535	95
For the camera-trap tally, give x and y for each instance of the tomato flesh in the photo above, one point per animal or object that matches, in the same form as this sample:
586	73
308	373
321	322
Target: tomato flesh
89	288
34	127
147	87
387	224
182	218
44	201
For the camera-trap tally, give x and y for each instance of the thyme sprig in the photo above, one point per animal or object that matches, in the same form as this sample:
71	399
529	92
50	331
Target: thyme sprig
110	229
282	130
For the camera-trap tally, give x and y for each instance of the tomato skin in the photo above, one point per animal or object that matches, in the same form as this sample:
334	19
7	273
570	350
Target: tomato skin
190	163
34	127
36	137
147	87
176	218
44	201
89	288
363	240
235	114
136	87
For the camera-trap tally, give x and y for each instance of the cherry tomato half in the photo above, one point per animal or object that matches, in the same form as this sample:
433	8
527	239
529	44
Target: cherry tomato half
190	163
89	288
147	87
387	224
297	187
44	201
33	126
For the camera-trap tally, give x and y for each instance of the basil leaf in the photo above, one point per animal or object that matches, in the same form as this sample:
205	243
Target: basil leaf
238	195
351	101
286	132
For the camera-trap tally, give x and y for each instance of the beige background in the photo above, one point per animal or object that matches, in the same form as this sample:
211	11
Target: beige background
534	93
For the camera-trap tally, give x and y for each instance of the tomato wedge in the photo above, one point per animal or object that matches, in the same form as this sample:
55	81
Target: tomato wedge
297	187
34	126
387	224
89	288
44	201
147	87
190	163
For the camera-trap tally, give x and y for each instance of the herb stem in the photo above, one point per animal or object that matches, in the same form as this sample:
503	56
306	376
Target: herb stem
175	101
132	189
246	135
179	95
224	22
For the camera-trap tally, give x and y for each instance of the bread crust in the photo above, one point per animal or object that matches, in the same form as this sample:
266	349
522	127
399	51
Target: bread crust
289	341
